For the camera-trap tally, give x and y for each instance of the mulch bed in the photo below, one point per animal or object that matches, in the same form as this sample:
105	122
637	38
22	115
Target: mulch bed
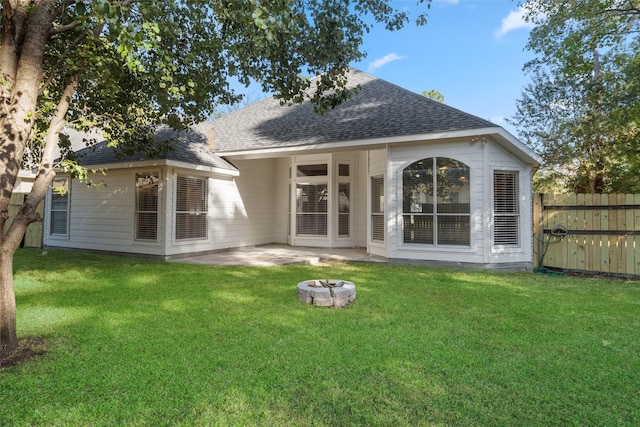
28	348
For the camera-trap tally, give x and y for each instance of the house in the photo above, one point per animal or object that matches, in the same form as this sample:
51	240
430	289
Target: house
403	176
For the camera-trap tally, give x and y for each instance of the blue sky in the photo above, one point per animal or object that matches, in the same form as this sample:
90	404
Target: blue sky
472	51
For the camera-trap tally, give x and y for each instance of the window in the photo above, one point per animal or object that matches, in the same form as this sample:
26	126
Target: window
191	208
59	207
506	214
344	206
377	208
146	206
311	209
312	170
436	198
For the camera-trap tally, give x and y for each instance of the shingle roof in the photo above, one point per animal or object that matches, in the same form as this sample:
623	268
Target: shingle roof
190	147
381	109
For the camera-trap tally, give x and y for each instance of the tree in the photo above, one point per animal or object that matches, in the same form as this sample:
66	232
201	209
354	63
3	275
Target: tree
126	66
577	110
434	94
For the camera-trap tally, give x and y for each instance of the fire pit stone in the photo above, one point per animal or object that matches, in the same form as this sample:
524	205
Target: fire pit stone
327	293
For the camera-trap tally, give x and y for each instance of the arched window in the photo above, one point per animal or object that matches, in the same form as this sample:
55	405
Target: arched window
435	202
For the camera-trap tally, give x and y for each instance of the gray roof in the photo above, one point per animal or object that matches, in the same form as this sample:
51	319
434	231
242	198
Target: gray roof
190	147
381	109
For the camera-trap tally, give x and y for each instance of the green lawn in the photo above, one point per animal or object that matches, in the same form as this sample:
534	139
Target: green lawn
137	342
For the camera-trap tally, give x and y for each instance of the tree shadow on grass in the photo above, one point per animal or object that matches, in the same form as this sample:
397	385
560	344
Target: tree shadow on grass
28	348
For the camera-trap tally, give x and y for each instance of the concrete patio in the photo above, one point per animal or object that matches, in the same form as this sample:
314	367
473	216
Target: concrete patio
269	255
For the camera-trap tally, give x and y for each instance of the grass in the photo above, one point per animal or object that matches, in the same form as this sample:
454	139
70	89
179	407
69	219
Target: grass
138	342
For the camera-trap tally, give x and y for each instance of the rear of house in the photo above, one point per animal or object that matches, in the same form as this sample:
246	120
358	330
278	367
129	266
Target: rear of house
406	177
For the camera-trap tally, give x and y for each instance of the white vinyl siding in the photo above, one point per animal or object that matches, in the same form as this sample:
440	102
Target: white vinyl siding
191	208
506	209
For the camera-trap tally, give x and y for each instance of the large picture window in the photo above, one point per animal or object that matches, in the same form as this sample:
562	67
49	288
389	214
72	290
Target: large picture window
59	224
436	202
191	208
147	206
506	211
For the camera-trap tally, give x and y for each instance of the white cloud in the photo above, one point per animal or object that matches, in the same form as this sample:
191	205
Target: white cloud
514	21
384	61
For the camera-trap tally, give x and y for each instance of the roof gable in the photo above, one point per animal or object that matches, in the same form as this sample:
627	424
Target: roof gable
379	110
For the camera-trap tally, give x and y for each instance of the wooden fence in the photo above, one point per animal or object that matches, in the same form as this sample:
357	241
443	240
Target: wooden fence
588	232
33	235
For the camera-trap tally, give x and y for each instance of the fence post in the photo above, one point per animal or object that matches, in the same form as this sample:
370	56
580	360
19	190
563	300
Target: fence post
538	226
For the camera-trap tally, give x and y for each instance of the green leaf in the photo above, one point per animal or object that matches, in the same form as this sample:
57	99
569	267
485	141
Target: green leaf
81	8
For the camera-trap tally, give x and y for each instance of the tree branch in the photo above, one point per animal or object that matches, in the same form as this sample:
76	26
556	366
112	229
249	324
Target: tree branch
46	171
65	28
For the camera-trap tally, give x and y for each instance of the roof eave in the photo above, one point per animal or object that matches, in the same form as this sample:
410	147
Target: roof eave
163	163
523	152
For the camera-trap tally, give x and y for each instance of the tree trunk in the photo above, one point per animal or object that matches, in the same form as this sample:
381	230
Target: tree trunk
8	335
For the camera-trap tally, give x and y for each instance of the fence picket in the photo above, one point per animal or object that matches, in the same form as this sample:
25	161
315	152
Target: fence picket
604	226
581	238
603	232
636	227
629	241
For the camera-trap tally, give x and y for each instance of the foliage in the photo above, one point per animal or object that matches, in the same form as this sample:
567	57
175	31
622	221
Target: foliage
434	94
581	110
139	342
126	67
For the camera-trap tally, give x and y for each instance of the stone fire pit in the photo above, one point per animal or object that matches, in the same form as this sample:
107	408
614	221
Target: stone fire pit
327	293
